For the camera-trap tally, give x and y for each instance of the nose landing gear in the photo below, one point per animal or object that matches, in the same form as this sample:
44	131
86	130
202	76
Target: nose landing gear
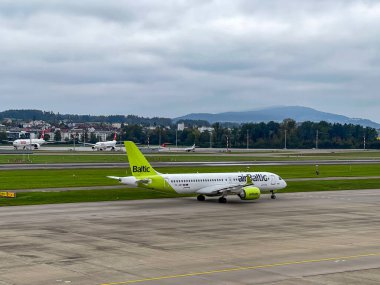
273	196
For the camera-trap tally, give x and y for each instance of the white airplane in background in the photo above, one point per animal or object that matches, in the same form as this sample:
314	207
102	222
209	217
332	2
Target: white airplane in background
179	149
104	145
246	185
29	143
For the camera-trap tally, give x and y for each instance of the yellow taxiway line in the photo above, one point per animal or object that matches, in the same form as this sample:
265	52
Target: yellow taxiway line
242	268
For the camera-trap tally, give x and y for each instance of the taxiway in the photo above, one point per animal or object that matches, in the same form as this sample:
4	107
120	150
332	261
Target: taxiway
300	238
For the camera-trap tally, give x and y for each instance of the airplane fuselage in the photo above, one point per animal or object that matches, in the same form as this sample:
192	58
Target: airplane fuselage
191	183
105	145
28	143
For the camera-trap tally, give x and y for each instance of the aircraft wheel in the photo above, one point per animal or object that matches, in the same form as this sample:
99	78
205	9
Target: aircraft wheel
222	200
273	196
201	198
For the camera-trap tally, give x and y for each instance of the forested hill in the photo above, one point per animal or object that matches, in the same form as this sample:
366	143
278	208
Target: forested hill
27	115
278	114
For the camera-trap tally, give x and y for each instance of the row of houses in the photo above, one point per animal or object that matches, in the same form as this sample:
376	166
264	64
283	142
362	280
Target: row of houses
50	135
98	132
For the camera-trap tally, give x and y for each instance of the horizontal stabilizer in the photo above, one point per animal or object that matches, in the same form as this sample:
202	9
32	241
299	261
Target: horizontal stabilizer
114	177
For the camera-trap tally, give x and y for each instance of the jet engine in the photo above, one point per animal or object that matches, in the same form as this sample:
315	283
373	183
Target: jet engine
249	193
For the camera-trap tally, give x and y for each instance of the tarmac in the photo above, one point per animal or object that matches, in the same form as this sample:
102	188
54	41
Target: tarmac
299	238
30	166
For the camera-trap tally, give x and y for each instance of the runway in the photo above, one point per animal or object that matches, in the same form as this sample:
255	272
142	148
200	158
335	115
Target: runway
10	166
299	238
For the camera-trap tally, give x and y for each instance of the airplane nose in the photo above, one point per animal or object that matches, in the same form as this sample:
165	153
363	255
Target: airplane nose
284	183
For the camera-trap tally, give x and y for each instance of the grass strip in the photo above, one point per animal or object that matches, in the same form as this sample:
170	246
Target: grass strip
36	198
58	178
331	185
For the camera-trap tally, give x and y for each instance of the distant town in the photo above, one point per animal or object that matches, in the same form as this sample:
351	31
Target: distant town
67	129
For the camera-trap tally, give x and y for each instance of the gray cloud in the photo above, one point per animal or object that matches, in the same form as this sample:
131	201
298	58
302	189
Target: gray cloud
169	58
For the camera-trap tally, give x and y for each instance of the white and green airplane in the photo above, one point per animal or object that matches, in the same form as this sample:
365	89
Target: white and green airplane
246	185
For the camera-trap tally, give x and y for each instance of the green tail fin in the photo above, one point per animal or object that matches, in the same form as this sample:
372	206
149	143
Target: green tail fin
140	167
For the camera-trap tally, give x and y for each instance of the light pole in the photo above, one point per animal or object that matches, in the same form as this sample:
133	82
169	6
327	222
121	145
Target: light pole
247	139
285	139
159	135
316	140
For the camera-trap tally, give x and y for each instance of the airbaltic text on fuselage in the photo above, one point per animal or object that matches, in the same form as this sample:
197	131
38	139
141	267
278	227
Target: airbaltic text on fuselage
141	169
255	178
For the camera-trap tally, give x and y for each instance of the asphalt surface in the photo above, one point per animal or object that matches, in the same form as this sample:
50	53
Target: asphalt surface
300	238
9	166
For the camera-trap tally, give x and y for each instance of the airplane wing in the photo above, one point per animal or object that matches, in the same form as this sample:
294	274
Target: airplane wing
219	189
227	189
114	177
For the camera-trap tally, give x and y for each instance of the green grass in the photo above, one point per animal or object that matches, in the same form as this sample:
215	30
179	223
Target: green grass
35	198
59	178
51	178
331	185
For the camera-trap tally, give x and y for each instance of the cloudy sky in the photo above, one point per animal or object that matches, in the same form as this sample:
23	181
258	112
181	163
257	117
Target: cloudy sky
170	58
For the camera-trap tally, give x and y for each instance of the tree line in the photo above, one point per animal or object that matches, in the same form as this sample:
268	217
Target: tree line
53	118
260	135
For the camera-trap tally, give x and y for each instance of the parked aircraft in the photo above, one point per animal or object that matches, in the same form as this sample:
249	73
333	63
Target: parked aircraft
104	145
164	147
29	143
246	185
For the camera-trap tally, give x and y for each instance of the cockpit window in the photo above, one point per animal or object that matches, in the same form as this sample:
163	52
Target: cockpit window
279	178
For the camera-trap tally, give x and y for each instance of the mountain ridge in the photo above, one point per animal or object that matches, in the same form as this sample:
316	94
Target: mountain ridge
278	114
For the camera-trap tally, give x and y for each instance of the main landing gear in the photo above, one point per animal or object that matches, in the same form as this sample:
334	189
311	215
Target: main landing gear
222	200
201	198
273	196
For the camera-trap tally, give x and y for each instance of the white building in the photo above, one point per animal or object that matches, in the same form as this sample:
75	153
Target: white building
181	126
116	125
205	129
